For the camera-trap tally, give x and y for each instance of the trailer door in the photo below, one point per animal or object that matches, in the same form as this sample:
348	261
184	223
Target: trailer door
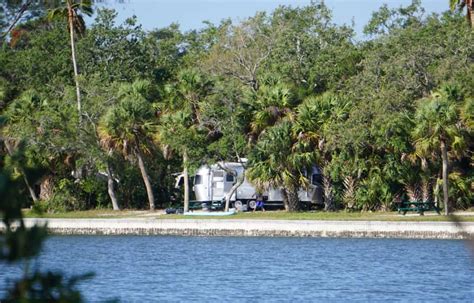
217	185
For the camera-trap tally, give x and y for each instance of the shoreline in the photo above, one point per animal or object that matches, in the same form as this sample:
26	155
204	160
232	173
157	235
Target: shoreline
256	228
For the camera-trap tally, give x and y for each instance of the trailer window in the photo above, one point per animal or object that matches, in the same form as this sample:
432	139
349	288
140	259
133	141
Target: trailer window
197	180
229	178
316	179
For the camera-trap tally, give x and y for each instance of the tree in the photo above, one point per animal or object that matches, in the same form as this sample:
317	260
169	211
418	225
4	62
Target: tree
460	5
269	106
15	12
386	20
100	97
278	160
182	127
22	245
241	50
437	129
310	52
113	52
178	134
128	127
72	10
46	129
316	118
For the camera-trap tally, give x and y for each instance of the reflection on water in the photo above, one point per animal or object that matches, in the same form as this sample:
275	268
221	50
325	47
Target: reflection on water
140	268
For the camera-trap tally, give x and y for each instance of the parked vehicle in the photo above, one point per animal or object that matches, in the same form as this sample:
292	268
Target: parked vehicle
212	184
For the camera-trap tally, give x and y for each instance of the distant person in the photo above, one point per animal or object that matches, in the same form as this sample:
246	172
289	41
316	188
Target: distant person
259	199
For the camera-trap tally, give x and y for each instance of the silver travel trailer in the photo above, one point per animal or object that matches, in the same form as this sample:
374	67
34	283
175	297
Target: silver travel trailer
212	184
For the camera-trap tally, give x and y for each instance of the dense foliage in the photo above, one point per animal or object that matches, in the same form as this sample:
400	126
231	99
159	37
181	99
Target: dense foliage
381	117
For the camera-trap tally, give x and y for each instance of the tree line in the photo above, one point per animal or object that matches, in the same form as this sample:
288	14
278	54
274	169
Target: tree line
109	112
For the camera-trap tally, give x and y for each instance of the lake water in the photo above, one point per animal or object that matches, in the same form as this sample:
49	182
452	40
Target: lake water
198	269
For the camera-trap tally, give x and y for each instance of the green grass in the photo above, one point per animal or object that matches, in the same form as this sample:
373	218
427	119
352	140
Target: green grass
268	215
336	216
87	214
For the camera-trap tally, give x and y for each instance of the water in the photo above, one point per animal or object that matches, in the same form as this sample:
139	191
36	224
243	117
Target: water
177	269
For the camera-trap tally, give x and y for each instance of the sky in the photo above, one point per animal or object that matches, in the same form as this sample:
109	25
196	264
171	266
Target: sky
190	13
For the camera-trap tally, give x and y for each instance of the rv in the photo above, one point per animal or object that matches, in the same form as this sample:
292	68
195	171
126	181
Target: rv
213	183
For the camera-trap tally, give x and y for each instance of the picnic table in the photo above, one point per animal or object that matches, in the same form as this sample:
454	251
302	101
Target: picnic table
418	206
214	205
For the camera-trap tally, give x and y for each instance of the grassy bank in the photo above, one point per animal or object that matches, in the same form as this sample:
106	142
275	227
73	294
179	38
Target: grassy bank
268	215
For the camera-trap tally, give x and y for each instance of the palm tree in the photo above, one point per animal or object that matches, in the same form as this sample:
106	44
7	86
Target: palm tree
128	127
269	104
72	10
21	125
461	4
315	116
173	132
110	187
271	160
181	118
278	161
438	129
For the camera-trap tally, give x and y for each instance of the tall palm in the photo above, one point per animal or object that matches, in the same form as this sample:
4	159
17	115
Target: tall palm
438	129
269	104
315	116
21	125
176	132
181	117
461	4
270	129
278	161
128	127
73	10
190	89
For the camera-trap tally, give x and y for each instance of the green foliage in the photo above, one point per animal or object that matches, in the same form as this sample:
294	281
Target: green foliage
461	189
127	125
386	20
23	244
73	10
47	287
374	193
69	195
287	89
63	199
437	120
132	56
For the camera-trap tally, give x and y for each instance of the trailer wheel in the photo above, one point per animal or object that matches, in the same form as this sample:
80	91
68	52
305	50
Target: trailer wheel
238	205
252	204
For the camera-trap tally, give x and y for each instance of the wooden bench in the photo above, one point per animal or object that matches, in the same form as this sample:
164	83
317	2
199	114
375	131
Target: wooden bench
417	206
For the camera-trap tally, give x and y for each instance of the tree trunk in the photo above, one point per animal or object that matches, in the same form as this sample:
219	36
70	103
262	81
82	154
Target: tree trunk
18	16
186	181
444	156
240	180
285	199
426	190
328	194
146	178
73	54
33	195
470	13
110	188
436	190
293	200
46	187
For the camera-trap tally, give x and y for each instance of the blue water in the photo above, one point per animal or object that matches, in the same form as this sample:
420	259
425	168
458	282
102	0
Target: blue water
200	269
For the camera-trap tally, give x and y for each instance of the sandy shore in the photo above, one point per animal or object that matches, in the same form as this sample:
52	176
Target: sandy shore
257	228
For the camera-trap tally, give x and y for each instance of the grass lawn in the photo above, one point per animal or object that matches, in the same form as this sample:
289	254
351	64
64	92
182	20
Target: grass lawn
87	214
268	215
